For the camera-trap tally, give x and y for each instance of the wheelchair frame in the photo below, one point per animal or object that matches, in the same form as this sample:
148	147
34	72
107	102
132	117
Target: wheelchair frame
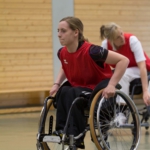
94	124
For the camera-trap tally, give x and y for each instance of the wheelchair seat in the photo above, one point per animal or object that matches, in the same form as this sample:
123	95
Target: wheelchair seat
136	86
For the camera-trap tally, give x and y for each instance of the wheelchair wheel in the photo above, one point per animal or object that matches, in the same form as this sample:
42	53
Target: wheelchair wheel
45	139
113	125
45	128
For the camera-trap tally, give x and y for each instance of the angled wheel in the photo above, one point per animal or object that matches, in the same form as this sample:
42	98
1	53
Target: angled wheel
113	125
45	139
44	136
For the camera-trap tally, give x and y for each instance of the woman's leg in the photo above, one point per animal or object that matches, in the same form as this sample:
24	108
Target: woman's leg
129	75
61	112
77	121
64	102
78	118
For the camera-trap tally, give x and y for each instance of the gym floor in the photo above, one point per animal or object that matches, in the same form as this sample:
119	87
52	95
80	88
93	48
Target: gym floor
18	132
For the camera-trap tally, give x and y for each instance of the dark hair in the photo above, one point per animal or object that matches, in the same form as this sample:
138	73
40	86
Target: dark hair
75	23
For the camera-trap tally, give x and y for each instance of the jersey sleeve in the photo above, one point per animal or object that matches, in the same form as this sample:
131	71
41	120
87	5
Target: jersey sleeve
58	53
98	54
104	44
137	49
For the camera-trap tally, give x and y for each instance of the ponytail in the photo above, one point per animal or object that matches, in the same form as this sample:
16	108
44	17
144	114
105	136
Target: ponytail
82	38
102	29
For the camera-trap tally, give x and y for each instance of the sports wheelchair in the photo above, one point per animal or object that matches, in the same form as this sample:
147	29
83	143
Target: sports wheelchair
108	129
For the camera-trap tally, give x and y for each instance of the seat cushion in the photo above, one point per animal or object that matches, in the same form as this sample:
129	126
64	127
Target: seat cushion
138	86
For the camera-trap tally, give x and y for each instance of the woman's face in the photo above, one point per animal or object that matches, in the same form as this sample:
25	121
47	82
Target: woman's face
119	39
66	35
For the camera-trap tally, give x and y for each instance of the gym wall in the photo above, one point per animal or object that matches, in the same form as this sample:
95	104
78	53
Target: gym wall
28	61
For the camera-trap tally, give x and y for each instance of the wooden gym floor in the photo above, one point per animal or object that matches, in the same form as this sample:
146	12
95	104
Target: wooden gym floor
18	129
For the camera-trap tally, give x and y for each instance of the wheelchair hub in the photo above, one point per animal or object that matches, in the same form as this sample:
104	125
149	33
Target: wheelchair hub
120	119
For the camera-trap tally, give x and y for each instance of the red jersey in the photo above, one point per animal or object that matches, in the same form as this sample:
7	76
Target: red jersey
126	51
81	70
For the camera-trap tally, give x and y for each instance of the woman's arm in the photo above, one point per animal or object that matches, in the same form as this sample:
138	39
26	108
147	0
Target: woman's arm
137	50
121	63
143	74
60	78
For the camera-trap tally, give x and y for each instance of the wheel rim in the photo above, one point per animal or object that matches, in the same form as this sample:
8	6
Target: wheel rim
115	131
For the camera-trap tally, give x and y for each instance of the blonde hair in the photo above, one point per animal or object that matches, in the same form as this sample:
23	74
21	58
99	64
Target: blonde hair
75	23
109	31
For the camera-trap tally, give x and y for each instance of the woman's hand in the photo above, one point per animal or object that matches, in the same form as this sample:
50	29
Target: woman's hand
146	97
109	91
54	89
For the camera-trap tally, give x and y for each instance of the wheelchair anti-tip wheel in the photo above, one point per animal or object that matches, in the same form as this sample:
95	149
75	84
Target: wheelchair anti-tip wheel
114	125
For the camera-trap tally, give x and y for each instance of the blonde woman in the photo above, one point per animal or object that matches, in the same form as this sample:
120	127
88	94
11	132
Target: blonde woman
128	45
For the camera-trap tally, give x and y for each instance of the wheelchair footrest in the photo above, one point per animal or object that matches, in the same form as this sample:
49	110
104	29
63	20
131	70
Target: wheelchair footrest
48	138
